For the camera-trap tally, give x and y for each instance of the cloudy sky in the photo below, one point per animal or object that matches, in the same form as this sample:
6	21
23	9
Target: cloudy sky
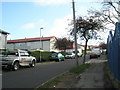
24	18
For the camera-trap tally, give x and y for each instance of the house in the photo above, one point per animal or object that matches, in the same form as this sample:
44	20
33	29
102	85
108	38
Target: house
43	43
3	39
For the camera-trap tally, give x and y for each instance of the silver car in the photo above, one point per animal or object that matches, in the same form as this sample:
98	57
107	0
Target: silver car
16	58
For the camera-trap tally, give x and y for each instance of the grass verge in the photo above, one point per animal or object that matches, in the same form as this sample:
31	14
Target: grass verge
74	71
79	69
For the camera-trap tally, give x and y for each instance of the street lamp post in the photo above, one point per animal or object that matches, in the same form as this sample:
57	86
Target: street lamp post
40	42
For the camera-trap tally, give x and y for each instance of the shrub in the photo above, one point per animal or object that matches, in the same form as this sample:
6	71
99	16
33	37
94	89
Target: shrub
44	55
3	51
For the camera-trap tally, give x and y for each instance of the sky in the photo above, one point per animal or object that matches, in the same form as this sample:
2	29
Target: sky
24	18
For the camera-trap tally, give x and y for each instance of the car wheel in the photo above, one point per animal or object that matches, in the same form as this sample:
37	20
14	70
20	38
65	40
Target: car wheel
16	66
63	59
59	60
33	64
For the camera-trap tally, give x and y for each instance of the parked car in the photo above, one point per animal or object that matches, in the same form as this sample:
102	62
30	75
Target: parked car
70	55
16	58
93	55
97	51
57	57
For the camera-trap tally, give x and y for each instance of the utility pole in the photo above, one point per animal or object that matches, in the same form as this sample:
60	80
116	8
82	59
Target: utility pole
75	37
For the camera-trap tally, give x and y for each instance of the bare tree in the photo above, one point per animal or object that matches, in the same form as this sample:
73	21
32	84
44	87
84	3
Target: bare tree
87	29
110	12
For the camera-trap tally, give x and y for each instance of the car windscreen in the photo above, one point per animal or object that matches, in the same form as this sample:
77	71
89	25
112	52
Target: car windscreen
54	54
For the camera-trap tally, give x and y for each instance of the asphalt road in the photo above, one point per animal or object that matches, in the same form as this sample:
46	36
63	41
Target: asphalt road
32	77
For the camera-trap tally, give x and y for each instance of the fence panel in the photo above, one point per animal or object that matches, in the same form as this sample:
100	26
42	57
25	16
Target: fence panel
113	48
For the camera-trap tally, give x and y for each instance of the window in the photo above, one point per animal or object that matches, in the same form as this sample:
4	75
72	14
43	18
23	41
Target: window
11	52
24	54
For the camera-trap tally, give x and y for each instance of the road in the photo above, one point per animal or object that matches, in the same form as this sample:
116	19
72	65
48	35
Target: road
32	77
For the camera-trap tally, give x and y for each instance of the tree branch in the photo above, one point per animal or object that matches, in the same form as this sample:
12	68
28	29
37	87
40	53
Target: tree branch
111	4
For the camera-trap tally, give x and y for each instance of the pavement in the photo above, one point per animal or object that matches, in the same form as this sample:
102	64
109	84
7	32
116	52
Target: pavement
93	77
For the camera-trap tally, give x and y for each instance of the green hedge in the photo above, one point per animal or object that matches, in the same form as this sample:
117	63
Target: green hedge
44	55
3	51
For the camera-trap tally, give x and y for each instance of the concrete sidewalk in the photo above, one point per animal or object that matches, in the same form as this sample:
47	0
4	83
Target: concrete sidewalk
93	77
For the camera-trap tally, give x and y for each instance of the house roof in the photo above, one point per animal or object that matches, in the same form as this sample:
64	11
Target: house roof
3	32
30	39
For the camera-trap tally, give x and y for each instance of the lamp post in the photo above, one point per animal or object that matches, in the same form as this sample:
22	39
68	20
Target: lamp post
40	42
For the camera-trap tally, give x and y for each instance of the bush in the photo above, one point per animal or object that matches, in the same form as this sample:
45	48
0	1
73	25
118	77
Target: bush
44	55
3	51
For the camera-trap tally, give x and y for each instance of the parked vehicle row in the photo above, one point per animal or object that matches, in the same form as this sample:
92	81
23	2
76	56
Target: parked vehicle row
14	59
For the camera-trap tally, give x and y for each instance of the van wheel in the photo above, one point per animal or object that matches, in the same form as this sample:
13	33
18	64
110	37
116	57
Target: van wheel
16	66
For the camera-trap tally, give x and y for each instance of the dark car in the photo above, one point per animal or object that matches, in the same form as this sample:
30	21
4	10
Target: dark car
57	57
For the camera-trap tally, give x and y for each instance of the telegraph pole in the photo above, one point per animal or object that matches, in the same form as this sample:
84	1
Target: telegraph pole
75	37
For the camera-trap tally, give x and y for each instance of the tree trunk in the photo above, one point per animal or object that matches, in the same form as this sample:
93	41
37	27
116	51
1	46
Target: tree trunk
84	58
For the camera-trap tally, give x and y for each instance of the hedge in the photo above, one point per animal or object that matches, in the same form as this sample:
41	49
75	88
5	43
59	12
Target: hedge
44	55
3	51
